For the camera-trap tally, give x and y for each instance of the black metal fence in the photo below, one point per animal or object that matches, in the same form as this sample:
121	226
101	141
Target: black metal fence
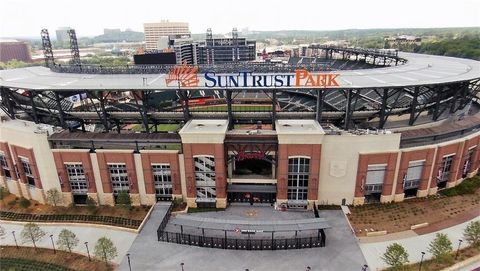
243	244
165	219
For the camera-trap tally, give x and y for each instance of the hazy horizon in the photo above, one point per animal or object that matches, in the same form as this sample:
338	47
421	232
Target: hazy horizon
25	18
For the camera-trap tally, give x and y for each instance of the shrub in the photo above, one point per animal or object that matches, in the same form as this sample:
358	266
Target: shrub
395	256
441	248
54	196
24	203
12	202
123	199
3	193
472	233
91	204
468	186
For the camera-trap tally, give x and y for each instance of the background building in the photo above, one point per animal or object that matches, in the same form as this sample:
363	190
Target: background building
224	50
13	49
153	32
62	34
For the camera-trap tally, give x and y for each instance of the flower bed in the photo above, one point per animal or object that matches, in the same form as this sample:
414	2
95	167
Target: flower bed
105	220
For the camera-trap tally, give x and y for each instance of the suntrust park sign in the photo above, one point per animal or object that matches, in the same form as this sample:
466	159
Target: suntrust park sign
187	76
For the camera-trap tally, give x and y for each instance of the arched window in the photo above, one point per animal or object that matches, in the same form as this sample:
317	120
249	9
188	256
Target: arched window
298	172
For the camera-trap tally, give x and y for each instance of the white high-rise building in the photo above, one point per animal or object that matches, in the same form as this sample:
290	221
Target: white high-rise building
154	31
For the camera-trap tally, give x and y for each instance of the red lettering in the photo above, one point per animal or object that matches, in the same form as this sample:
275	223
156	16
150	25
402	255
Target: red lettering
300	74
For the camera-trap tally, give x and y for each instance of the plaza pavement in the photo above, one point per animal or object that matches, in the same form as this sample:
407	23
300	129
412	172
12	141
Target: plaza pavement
341	252
120	238
414	245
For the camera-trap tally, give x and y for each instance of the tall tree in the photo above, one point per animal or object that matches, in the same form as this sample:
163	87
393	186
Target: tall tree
105	250
441	247
472	233
53	196
67	240
395	256
32	233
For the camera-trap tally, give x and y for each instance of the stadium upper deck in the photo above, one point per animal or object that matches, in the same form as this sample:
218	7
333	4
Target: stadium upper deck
419	70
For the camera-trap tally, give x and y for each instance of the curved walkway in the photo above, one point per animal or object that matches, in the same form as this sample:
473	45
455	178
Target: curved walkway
122	239
414	245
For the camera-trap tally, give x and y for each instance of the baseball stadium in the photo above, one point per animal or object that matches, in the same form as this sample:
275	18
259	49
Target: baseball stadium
344	126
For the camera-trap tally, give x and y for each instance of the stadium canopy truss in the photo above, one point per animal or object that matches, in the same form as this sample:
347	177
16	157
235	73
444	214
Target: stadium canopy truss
373	86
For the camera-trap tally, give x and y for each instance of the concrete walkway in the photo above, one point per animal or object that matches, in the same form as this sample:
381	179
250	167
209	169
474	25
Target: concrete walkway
121	239
341	252
414	245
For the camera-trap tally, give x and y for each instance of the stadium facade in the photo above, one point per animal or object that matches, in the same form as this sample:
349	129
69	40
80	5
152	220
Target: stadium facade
348	126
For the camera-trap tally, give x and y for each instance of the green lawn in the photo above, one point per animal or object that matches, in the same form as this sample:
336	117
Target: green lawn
15	264
160	127
235	108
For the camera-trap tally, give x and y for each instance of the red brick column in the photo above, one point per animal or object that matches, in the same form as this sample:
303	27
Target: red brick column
8	156
427	155
28	154
456	149
220	171
390	159
62	157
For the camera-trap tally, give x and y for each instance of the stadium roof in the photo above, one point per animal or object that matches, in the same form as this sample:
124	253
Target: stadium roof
419	70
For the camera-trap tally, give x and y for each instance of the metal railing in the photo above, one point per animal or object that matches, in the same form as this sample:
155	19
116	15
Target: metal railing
432	139
243	244
164	222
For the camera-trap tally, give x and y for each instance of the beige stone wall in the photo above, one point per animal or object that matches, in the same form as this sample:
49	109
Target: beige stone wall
135	198
142	194
67	198
339	163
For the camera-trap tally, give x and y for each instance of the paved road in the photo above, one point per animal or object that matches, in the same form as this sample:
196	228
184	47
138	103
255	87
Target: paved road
121	239
413	245
341	253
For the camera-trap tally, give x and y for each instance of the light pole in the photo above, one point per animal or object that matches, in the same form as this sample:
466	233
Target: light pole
181	265
14	238
458	248
421	260
53	244
88	252
128	258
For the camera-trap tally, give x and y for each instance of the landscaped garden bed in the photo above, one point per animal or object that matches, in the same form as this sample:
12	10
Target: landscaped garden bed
42	259
14	208
434	265
396	217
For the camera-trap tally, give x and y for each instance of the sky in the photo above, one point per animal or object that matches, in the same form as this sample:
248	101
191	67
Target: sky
25	18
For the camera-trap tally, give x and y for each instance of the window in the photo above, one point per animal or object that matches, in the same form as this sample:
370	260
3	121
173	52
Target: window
4	165
414	174
119	178
28	171
467	166
205	177
298	173
445	167
374	179
162	179
77	179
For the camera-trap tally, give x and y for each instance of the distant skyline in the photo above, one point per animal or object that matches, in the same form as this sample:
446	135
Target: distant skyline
25	18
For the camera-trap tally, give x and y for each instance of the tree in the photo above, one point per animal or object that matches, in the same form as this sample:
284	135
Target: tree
67	240
2	232
53	196
472	233
3	194
104	249
395	256
91	204
123	199
32	232
441	247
